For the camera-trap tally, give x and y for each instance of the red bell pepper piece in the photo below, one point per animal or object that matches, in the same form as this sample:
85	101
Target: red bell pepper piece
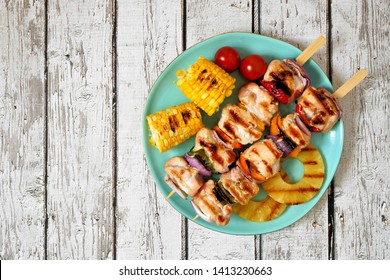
279	94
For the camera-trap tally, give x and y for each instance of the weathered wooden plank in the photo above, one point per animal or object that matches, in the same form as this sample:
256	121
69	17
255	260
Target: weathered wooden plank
288	21
206	19
22	129
80	145
360	33
149	38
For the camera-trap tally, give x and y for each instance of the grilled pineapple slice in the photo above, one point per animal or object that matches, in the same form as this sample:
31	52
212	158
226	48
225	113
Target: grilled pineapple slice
260	211
306	188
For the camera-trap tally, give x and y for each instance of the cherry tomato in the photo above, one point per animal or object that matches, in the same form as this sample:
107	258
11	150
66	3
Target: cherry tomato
227	58
253	67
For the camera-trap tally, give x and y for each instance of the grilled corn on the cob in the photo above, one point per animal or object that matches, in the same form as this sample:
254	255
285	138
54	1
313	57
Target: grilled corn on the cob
206	84
174	125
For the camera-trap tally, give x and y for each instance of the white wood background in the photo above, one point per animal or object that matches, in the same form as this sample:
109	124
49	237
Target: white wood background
74	78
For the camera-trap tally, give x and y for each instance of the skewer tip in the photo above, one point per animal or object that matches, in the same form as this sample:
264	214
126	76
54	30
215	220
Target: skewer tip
350	84
310	50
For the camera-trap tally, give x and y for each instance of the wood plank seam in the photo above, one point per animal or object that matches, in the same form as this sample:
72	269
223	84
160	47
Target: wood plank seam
46	133
184	220
114	124
331	186
256	28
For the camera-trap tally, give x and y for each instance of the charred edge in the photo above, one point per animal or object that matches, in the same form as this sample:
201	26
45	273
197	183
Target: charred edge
173	123
114	123
45	133
186	115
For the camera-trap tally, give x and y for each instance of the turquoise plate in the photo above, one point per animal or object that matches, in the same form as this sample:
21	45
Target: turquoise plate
165	94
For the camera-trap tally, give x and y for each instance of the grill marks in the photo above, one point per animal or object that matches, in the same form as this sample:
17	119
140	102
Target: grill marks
236	117
229	128
276	152
279	78
240	124
173	123
267	166
319	119
309	189
320	107
291	130
209	145
186	115
296	132
320	175
209	204
216	152
219	154
328	104
239	186
205	75
263	159
309	162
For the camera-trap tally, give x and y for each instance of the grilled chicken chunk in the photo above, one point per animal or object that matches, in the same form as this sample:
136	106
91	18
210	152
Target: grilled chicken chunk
215	210
238	185
285	79
261	161
292	131
219	153
181	177
258	101
239	124
318	109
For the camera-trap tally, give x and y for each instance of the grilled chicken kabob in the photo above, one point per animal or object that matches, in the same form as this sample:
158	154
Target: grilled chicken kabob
283	81
240	124
214	152
213	201
317	111
286	79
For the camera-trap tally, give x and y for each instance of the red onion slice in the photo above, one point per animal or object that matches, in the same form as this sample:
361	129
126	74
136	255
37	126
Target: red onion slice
194	162
200	213
272	137
281	144
293	64
301	125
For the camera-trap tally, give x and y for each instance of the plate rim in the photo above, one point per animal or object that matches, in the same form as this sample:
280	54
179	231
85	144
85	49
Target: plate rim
145	140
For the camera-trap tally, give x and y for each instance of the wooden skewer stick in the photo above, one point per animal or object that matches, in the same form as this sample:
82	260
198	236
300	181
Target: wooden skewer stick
194	218
169	195
350	84
310	50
